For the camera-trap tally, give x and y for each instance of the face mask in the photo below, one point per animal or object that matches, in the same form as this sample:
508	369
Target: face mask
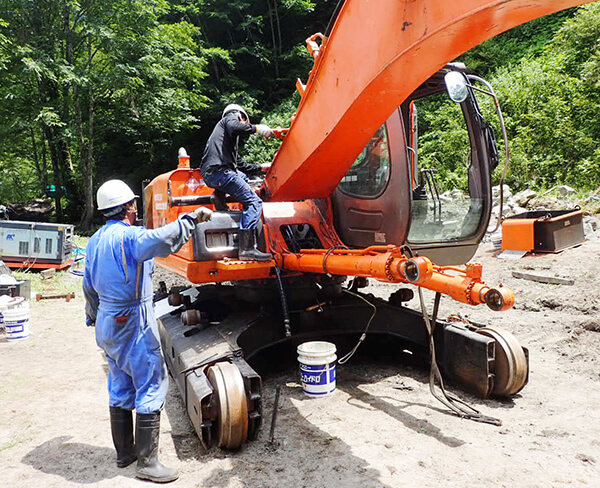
131	215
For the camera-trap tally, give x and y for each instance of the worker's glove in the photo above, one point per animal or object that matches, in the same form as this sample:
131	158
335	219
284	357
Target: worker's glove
264	130
265	166
202	214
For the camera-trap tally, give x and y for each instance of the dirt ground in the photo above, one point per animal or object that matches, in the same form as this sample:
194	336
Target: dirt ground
381	428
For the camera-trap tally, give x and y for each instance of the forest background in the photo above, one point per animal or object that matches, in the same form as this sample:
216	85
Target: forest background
98	89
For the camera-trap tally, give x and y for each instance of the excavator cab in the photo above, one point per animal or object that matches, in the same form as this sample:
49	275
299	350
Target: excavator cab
403	190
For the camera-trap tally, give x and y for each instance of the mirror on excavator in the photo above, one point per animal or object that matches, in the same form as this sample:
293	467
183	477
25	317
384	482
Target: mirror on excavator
403	190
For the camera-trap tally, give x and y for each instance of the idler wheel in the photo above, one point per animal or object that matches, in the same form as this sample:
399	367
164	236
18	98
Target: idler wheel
510	368
230	405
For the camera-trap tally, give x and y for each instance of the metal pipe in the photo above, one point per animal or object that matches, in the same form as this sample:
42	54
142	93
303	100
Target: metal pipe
274	416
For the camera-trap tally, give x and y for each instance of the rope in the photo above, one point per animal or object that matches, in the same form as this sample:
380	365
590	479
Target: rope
345	358
456	405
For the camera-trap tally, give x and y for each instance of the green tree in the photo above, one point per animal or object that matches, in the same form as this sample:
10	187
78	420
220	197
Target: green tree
83	70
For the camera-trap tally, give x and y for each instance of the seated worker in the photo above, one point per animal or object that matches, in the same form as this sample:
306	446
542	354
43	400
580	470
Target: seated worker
223	169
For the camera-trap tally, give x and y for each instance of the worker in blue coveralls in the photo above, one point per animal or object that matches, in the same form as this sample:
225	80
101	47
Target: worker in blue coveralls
118	290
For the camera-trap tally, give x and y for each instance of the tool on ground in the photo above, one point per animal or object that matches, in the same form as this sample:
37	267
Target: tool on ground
66	296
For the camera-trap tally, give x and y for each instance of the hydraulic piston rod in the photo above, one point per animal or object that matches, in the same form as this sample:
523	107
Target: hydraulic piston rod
388	263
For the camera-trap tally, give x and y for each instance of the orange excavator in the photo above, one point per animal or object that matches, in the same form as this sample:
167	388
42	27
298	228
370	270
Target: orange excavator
352	194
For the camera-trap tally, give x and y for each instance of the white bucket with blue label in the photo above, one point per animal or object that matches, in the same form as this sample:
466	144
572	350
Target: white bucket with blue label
317	367
16	321
6	301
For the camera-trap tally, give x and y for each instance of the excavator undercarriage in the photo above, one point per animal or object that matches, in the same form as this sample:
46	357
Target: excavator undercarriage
212	336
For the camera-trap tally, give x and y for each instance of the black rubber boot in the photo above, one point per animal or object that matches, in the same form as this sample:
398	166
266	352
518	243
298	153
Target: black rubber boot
218	199
147	430
248	251
121	425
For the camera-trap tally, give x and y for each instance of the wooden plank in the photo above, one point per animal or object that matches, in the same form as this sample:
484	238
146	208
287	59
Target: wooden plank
552	280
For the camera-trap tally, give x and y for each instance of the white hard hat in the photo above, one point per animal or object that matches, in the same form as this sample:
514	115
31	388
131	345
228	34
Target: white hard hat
231	107
113	193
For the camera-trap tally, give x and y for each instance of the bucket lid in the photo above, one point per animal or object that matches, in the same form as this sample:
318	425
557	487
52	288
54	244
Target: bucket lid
7	301
7	280
18	304
316	347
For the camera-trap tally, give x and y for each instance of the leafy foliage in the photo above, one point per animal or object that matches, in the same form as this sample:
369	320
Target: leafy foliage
550	95
262	151
94	89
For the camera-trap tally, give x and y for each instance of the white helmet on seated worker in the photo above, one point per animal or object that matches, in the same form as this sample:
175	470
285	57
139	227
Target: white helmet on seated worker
112	195
232	107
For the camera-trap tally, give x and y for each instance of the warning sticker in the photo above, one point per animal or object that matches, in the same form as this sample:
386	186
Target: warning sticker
192	184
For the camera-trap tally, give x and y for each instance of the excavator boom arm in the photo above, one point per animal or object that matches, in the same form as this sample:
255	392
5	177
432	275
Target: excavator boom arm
378	53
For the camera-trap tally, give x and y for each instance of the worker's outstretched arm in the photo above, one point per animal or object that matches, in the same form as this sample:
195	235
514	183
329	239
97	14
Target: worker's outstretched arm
146	244
236	128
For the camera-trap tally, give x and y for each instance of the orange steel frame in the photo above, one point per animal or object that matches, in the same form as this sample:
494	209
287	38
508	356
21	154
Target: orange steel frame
32	264
384	263
355	84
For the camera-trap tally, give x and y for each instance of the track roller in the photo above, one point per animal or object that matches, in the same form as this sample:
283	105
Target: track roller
229	405
193	317
510	367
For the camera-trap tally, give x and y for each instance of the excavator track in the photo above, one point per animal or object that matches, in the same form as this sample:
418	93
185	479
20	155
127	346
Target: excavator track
230	405
222	392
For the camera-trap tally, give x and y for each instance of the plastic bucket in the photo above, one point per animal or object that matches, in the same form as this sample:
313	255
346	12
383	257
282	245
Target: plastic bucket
16	322
317	367
7	301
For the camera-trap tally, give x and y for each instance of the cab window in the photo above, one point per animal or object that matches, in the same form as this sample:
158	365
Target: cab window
447	203
370	173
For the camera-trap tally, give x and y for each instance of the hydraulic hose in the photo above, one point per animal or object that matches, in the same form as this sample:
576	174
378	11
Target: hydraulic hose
284	304
505	137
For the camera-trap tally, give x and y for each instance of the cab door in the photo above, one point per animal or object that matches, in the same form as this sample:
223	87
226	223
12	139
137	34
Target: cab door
372	202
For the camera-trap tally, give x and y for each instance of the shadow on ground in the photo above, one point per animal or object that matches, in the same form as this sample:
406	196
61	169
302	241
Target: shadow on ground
74	461
304	455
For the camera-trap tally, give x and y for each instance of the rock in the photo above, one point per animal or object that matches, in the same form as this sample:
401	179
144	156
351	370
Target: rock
544	203
590	225
524	197
37	210
505	190
565	190
516	210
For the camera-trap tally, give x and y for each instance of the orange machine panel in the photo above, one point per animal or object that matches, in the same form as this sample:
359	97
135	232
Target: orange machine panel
517	235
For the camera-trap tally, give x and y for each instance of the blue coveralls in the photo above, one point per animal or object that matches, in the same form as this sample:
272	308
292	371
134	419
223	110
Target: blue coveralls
118	288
